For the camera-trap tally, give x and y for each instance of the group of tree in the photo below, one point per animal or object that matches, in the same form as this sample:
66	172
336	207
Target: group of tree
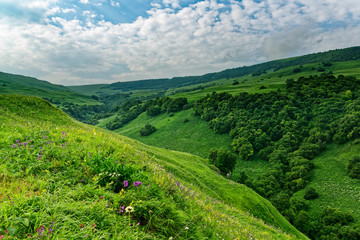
288	129
130	110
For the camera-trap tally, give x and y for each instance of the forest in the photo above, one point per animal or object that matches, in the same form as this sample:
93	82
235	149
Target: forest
288	129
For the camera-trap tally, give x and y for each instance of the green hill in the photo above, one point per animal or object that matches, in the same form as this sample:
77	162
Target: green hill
62	179
17	84
330	179
166	84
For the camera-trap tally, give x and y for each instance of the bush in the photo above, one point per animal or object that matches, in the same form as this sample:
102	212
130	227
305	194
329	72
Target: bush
311	194
223	159
147	130
353	167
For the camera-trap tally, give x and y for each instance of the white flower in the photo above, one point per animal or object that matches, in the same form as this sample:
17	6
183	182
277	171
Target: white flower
129	209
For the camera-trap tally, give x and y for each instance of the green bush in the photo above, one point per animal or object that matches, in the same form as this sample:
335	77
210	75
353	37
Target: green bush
223	159
147	130
311	194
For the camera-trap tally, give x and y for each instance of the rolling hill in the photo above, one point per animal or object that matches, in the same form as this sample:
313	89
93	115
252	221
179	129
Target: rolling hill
57	94
64	179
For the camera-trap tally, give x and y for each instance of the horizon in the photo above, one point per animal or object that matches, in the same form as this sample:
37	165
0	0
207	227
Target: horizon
84	42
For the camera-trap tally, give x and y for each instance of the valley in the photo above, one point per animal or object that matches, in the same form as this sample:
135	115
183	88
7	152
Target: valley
267	146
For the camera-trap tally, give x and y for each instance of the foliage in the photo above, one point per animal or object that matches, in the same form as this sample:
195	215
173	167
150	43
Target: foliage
223	159
131	109
353	167
311	194
64	180
147	130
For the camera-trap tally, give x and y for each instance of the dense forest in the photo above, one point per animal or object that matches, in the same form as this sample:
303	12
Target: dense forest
288	129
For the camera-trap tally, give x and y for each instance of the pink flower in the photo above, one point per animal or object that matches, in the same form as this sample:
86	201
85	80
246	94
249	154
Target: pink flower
102	197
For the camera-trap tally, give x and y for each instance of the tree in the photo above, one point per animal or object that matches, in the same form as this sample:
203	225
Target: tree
243	147
223	159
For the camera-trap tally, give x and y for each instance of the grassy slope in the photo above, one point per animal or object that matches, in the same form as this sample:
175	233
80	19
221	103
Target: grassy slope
336	189
271	80
35	192
16	84
193	136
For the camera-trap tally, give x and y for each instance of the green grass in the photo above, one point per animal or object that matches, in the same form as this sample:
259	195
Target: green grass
272	80
69	175
336	189
193	136
16	84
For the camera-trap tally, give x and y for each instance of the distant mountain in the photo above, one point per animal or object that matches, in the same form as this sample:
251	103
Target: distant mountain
17	84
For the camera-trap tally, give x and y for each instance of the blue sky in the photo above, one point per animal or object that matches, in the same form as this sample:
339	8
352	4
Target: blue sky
77	42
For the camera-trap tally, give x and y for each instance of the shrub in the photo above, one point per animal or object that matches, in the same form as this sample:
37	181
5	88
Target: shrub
353	167
311	194
147	130
223	159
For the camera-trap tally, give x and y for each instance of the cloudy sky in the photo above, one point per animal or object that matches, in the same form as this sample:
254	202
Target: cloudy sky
73	42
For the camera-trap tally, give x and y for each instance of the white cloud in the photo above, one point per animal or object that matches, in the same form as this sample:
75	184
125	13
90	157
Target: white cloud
204	37
84	1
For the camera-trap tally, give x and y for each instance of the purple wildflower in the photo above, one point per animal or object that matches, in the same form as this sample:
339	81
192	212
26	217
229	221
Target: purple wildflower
126	183
25	143
137	184
14	145
17	141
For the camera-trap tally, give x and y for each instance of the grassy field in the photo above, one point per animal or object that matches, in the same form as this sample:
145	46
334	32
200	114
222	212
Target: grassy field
181	132
272	80
63	179
336	189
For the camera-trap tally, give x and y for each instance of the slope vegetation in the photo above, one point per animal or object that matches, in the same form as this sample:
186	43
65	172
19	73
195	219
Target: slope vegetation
17	84
63	179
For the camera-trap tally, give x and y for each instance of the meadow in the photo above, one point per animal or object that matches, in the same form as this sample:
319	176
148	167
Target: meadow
63	179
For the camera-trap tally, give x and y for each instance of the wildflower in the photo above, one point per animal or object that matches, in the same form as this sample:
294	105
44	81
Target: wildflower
126	183
137	184
6	231
82	225
129	209
17	141
186	228
31	146
102	197
25	143
2	236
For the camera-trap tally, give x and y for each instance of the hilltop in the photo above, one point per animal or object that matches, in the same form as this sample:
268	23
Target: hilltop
64	179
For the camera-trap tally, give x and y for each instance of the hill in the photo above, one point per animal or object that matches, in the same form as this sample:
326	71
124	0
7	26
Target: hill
57	94
63	179
338	55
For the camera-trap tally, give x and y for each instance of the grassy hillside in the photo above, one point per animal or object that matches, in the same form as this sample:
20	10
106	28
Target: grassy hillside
63	179
330	179
157	86
16	84
270	81
181	132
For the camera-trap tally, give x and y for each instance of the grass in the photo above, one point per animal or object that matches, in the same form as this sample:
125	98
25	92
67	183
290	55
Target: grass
181	132
16	84
65	180
336	189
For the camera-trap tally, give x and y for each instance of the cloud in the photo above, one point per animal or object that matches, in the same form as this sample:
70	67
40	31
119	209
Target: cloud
204	36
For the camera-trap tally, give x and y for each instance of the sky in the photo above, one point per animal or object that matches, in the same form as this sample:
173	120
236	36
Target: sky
78	42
